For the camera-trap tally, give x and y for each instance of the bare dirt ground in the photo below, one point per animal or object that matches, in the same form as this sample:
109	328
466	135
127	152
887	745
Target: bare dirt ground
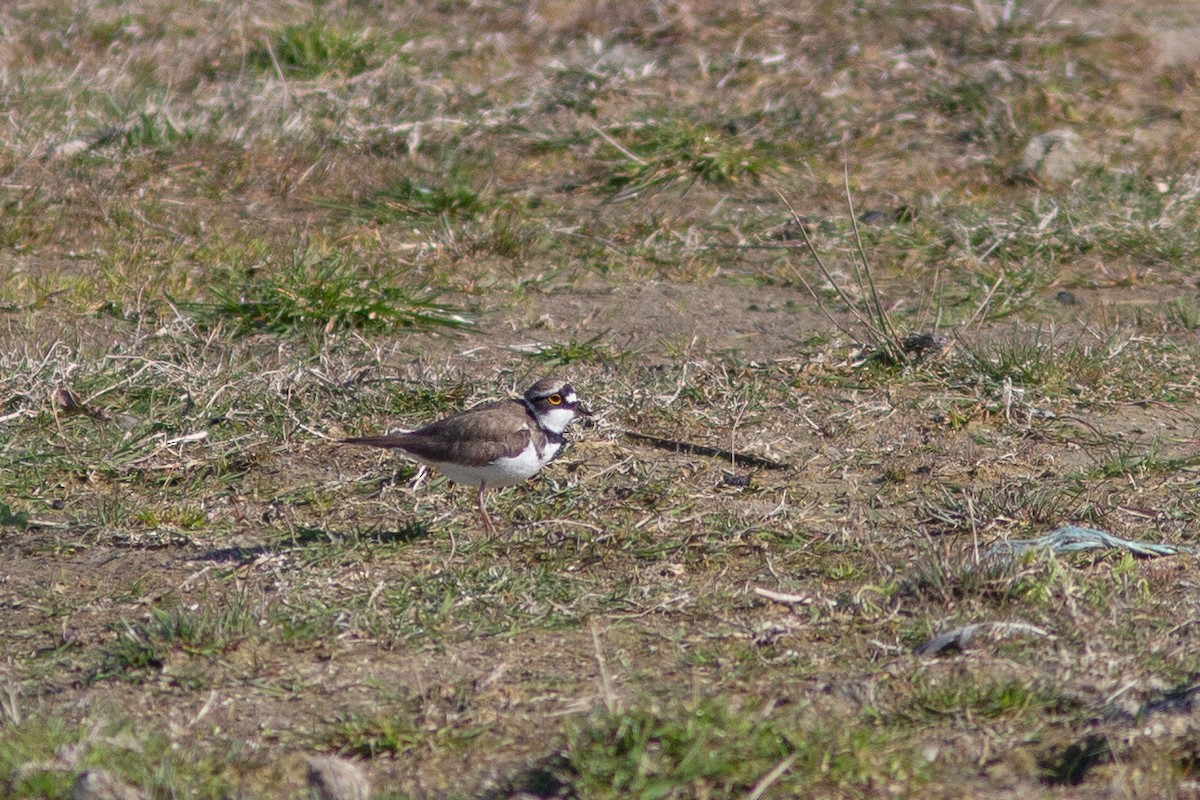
200	588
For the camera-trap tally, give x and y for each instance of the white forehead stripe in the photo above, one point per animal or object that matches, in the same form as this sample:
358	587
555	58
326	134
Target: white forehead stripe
571	398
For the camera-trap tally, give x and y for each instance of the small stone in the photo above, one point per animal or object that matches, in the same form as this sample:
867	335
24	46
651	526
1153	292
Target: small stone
67	149
98	784
1067	298
899	214
81	144
1053	156
875	217
919	343
336	778
732	479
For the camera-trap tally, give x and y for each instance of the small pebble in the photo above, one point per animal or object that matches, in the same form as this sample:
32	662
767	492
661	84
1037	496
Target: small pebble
730	479
98	784
920	343
1054	156
875	218
336	778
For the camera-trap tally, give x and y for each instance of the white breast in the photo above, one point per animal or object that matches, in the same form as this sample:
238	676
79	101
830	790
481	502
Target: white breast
510	471
503	472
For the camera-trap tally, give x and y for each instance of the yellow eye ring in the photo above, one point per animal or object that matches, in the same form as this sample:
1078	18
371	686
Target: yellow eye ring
555	399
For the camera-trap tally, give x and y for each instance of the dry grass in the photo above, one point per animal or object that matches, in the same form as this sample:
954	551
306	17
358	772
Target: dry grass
231	235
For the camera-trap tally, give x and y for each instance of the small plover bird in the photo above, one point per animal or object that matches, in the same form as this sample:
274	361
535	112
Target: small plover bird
496	444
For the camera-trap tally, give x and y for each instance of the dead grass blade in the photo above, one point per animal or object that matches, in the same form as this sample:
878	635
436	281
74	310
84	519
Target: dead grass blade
880	333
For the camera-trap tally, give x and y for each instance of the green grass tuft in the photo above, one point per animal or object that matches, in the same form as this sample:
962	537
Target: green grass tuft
205	630
968	696
314	290
372	735
676	150
13	519
156	132
313	48
41	756
451	195
714	749
589	352
645	753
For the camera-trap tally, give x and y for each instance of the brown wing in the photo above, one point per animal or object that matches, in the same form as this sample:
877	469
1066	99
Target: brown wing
470	437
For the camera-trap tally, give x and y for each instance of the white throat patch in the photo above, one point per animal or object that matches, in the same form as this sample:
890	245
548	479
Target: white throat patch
556	420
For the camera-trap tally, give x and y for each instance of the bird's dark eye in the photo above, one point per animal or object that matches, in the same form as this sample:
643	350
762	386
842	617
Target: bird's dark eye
555	399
